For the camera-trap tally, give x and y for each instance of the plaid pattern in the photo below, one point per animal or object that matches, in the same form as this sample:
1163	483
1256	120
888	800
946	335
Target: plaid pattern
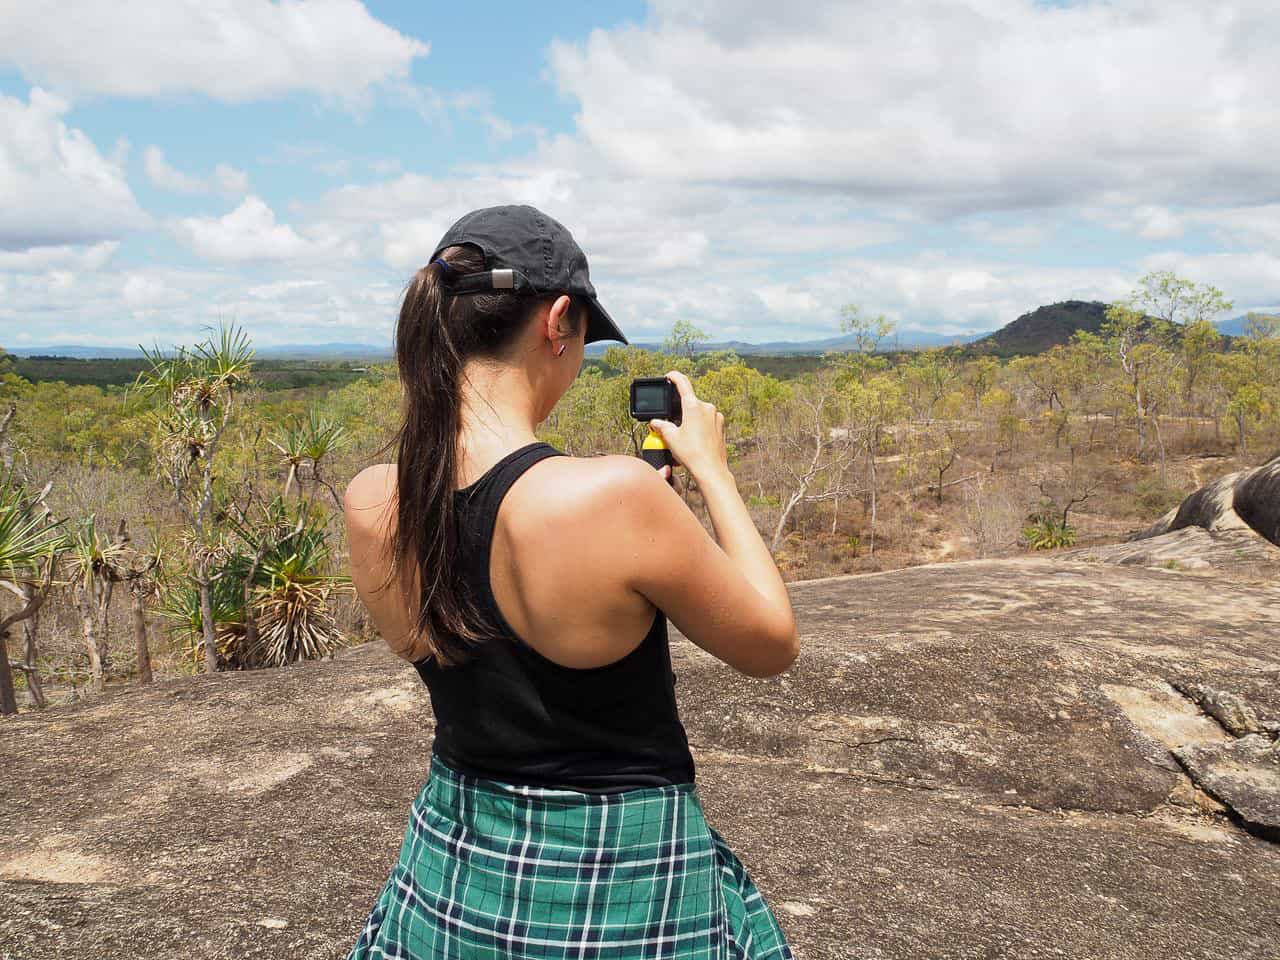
497	870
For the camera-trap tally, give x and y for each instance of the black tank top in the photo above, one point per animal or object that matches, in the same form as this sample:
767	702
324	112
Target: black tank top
509	713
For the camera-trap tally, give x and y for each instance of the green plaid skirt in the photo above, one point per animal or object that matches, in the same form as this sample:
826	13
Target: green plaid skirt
497	870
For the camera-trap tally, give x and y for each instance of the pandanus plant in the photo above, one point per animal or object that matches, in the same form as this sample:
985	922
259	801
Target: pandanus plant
291	601
30	542
193	395
311	441
96	561
28	533
271	591
180	604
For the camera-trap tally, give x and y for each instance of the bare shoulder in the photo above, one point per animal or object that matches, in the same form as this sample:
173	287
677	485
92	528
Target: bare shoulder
369	493
590	486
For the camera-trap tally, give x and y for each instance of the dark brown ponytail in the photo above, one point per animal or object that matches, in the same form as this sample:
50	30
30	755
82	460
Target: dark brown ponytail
435	336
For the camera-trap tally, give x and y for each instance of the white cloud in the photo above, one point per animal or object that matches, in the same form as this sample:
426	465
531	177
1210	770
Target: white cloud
163	305
1251	280
248	233
143	290
753	173
1014	235
229	50
166	177
78	257
945	106
628	227
940	292
55	187
159	171
1243	225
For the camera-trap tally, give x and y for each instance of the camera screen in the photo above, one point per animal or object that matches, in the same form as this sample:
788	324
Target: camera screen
651	399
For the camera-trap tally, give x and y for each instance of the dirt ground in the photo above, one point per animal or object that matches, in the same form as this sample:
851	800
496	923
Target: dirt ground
968	760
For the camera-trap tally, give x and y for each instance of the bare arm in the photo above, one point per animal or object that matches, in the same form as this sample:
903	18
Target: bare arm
738	537
369	508
673	562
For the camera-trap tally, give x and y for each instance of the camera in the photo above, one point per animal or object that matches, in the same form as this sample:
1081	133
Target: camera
655	398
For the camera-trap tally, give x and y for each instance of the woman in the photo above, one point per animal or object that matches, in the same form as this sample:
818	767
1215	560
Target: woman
531	592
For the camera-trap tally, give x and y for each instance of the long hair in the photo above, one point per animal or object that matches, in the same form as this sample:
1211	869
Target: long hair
435	336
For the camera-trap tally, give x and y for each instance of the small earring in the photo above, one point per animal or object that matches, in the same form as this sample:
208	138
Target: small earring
561	350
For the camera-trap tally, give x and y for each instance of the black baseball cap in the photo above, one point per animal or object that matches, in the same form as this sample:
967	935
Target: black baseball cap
526	252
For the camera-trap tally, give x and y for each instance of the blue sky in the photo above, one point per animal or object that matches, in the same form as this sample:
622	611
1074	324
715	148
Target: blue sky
289	164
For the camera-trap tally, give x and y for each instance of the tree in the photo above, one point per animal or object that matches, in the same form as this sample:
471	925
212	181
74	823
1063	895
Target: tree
1247	377
743	394
1002	409
1201	342
867	331
280	566
872	403
942	456
928	378
1041	375
1085	375
1133	338
1159	305
193	393
805	445
368	409
1177	301
979	377
1062	487
684	339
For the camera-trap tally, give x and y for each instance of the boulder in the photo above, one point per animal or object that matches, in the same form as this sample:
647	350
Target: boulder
1246	500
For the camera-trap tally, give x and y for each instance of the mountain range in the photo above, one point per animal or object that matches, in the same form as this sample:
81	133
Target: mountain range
1033	332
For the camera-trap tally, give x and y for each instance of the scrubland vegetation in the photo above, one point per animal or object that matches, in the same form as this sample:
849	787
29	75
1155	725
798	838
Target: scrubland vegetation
189	519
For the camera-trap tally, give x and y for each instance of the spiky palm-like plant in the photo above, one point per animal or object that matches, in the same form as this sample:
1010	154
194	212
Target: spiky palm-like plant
1047	532
97	564
291	597
27	532
30	541
180	604
313	440
194	395
270	594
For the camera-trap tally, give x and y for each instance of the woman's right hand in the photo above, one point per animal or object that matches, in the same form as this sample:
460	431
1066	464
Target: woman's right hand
698	442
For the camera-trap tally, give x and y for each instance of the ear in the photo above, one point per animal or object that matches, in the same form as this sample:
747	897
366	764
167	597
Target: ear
558	318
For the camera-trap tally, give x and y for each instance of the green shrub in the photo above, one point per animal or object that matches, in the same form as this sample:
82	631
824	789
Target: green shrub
1048	533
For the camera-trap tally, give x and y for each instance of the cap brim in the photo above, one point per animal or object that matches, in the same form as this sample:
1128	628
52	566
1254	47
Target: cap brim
600	325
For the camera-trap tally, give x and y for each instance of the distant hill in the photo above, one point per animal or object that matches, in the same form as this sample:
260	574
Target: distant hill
309	351
1044	328
1236	326
76	352
903	340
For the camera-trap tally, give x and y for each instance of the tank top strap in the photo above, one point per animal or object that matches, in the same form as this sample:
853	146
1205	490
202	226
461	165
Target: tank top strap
479	503
482	498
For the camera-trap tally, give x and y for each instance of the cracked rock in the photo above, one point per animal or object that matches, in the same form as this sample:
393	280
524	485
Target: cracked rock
1237	715
1243	774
